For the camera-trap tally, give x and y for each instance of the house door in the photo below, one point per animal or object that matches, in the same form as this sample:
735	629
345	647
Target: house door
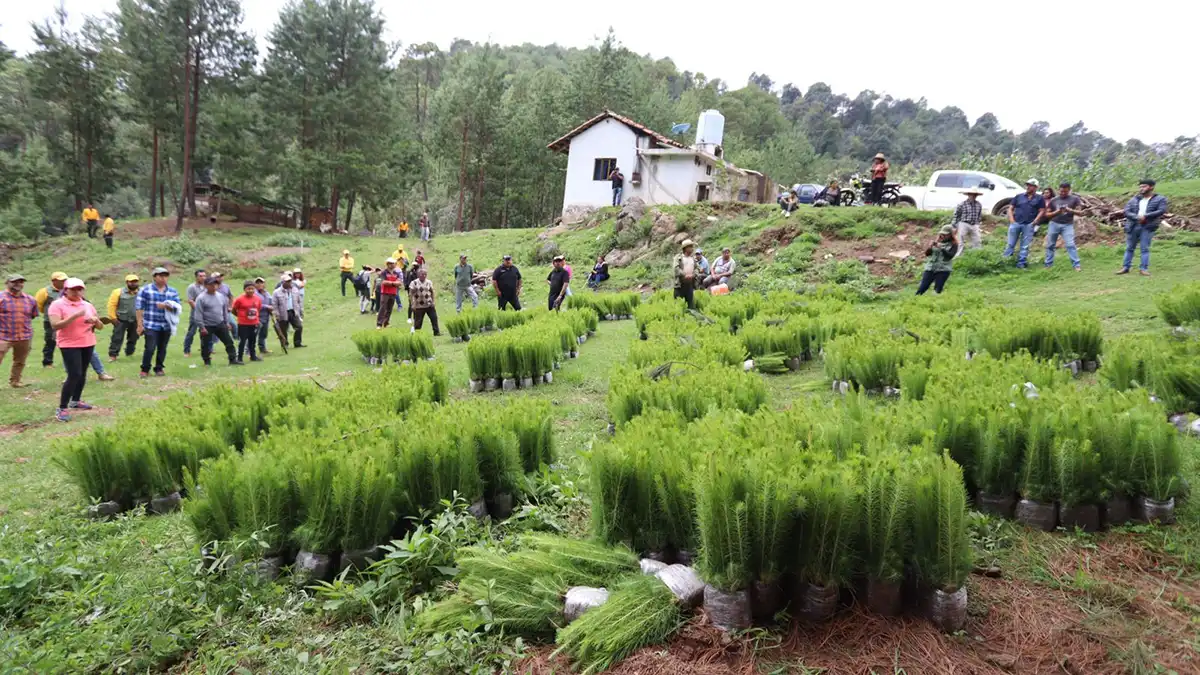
702	192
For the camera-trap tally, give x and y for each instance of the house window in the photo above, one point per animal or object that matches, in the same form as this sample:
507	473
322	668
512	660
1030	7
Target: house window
702	191
708	169
603	167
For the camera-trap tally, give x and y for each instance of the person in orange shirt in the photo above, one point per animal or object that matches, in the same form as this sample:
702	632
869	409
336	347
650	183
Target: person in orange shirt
879	170
91	217
109	228
402	228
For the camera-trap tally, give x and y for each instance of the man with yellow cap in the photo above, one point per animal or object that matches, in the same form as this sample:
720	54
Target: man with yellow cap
346	265
44	297
122	312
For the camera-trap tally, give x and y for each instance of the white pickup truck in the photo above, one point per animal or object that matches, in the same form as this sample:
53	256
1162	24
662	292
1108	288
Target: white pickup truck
945	191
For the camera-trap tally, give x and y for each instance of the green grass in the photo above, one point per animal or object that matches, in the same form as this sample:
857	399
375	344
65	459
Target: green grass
1183	195
125	595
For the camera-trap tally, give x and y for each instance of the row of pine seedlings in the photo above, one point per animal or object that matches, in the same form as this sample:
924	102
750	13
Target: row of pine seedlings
343	474
392	345
527	353
778	508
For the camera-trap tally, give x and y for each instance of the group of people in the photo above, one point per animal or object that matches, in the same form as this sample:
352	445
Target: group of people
91	219
1026	214
423	229
692	270
217	314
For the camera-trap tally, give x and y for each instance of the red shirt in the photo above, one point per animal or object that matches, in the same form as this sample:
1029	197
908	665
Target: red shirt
390	275
246	308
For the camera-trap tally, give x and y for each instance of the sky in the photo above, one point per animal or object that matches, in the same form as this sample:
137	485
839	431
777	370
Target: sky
1125	73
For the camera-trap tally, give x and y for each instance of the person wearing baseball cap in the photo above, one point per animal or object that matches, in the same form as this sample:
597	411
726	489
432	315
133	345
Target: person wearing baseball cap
464	274
44	297
17	311
122	313
158	307
246	308
391	280
685	273
940	261
506	279
968	216
1025	210
346	265
559	280
288	309
75	323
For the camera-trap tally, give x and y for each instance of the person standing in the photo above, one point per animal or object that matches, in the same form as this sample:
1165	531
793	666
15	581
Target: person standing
91	218
109	229
559	280
122	312
265	310
1062	212
422	301
376	281
599	273
289	309
402	228
362	287
722	269
618	185
941	255
17	311
968	215
213	309
424	225
1143	214
193	291
346	265
157	308
75	321
879	172
45	297
419	260
247	307
1047	195
464	273
298	280
222	287
1024	212
506	280
391	280
685	273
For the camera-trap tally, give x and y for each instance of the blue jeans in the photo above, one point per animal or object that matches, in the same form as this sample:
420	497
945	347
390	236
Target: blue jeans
1133	237
617	196
1023	231
1068	235
193	328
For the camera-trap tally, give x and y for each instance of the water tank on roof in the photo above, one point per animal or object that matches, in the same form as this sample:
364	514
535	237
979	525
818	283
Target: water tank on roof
710	131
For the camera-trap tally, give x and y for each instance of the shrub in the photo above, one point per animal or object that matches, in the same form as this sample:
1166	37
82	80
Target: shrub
1077	472
941	546
690	392
184	250
828	526
292	239
123	204
397	344
640	612
1181	305
284	260
886	518
688	343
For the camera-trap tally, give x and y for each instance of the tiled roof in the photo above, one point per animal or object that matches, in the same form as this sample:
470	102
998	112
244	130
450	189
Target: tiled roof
561	144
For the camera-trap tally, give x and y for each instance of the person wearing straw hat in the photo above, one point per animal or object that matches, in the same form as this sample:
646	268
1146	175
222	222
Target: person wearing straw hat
967	217
940	262
122	313
346	265
17	311
75	322
879	172
685	273
44	297
288	304
158	307
390	282
1024	211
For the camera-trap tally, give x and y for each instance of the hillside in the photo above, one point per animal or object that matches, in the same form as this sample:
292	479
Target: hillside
1184	195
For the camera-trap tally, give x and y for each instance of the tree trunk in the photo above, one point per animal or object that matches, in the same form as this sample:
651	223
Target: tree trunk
478	198
187	116
192	130
462	176
89	174
335	202
154	175
350	209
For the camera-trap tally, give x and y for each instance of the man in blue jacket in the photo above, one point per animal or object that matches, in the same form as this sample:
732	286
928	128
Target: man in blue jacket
1142	216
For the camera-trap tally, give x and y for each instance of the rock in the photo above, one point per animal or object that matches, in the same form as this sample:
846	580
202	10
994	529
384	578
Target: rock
902	254
664	225
994	572
1194	429
576	214
619	258
866	258
902	237
684	583
631	212
712	219
680	237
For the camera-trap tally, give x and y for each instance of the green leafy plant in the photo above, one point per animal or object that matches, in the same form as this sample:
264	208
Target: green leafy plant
641	612
886	518
1181	305
941	545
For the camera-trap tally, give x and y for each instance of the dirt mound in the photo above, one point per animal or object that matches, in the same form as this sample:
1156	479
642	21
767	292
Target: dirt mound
772	238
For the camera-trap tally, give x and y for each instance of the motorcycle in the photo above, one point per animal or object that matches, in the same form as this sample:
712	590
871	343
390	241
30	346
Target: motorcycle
859	190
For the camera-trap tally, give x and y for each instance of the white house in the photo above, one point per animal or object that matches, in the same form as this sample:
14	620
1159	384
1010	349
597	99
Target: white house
657	169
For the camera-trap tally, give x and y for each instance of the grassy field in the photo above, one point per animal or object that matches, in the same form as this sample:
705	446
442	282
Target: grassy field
129	595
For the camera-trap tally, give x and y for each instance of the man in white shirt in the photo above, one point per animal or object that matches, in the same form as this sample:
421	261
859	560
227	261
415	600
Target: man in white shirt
722	269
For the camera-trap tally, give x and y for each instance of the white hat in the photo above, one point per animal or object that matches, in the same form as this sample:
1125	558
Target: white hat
1033	182
74	282
391	260
297	271
285	277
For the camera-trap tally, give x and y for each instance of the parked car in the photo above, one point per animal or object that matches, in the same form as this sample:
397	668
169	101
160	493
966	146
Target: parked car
806	193
945	191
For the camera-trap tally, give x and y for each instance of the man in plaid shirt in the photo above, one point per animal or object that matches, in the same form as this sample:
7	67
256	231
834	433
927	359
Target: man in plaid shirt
420	299
153	303
967	217
17	311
